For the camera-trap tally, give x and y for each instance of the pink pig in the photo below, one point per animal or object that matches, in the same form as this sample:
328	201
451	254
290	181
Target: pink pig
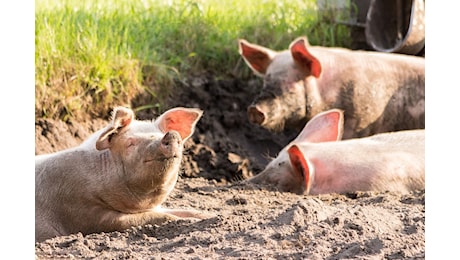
378	92
117	178
316	162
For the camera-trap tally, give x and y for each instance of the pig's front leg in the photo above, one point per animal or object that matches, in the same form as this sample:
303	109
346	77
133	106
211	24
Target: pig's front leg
155	217
186	213
126	221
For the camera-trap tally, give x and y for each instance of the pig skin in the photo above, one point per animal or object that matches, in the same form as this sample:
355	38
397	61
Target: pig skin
318	162
116	179
378	92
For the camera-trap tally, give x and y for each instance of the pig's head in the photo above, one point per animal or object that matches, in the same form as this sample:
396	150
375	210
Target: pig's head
282	102
147	155
292	170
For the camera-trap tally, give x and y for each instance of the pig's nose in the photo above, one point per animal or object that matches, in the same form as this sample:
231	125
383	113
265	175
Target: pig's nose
171	144
255	115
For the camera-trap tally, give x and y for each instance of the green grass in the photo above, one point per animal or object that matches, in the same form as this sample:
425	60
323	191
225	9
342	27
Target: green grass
92	55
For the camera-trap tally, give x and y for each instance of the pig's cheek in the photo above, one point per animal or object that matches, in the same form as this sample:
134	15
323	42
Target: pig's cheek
281	180
133	153
296	99
130	151
275	113
270	112
287	184
274	177
280	176
295	109
122	152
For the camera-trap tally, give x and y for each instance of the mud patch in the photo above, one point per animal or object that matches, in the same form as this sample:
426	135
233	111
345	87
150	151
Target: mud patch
250	222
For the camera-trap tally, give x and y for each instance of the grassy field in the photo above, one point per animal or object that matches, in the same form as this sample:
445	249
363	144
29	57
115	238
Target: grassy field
90	55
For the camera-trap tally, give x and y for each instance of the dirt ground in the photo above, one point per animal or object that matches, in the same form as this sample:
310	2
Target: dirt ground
251	222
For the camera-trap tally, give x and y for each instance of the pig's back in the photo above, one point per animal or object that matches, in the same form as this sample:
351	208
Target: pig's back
356	55
391	141
369	150
389	161
408	140
341	63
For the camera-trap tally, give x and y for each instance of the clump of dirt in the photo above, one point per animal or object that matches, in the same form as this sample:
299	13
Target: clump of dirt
251	222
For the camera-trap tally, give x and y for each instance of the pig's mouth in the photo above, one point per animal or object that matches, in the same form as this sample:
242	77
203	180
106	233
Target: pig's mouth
162	158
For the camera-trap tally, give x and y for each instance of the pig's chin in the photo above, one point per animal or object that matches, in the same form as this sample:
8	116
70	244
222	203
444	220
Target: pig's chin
291	187
164	158
286	183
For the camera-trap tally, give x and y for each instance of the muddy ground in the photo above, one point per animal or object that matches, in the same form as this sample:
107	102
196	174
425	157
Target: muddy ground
251	222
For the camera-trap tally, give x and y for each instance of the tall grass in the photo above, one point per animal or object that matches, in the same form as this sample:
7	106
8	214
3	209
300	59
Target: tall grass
92	55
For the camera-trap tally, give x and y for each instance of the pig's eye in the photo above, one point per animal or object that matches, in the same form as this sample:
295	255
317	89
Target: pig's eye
281	164
130	142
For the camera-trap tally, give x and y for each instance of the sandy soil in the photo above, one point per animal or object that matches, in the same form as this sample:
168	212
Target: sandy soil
251	222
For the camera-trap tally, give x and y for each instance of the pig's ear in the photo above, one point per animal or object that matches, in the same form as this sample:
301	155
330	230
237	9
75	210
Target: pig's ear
303	169
121	117
300	53
326	126
182	120
257	57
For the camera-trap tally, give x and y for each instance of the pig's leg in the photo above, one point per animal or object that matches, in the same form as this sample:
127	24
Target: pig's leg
187	213
116	221
155	217
125	221
45	230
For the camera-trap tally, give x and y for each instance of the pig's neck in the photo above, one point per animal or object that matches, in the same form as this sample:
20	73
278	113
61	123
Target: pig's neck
314	100
324	93
118	193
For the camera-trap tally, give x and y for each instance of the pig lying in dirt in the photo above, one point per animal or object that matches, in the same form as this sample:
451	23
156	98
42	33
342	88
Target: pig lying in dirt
378	92
116	179
316	162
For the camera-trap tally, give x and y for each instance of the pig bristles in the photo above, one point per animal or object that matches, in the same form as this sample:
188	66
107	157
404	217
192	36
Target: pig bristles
113	113
267	156
116	110
237	178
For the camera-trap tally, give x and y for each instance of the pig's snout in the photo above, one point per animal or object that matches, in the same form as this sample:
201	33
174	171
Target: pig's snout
171	144
255	115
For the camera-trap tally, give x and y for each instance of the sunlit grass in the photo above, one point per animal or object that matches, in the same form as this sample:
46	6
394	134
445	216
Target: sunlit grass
92	55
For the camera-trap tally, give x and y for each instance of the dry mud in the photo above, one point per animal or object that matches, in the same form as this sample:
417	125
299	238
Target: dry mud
251	222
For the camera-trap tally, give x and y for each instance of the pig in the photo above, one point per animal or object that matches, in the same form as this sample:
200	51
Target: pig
378	92
117	178
317	161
